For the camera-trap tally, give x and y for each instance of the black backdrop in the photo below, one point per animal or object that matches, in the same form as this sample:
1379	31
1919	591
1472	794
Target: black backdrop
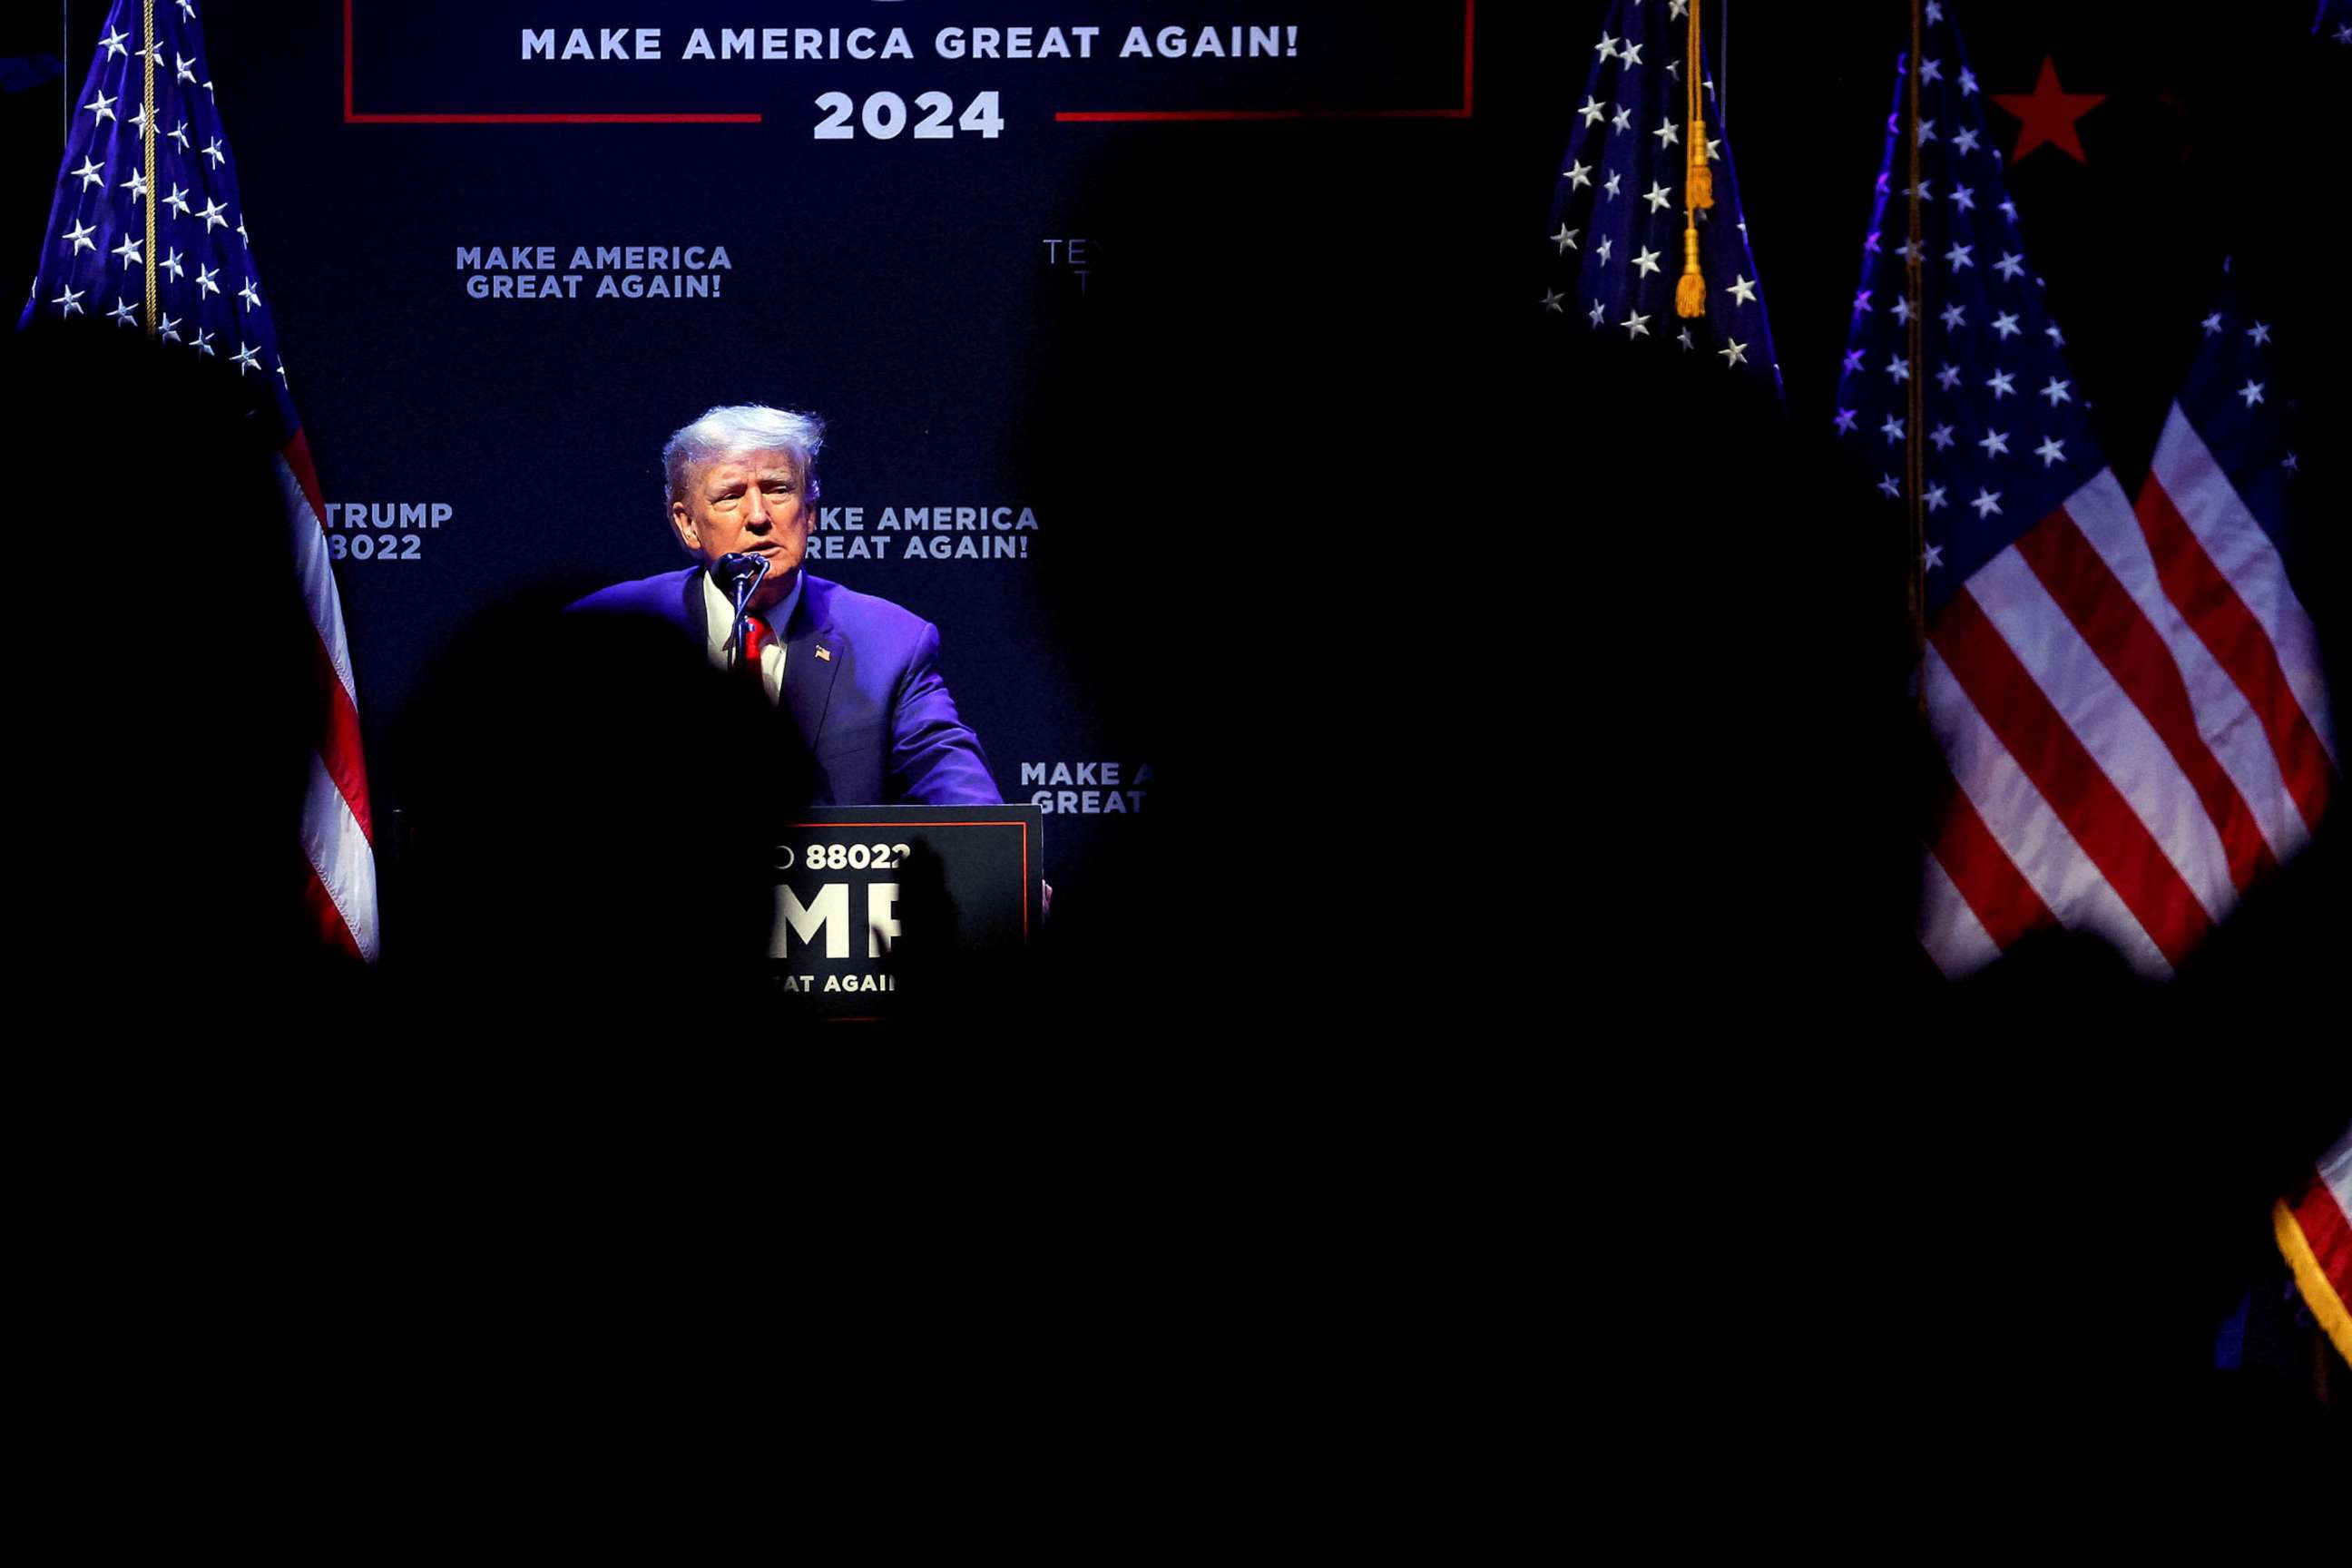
1299	395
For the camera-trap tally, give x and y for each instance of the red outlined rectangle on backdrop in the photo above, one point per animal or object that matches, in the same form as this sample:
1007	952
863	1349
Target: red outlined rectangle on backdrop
1135	116
352	116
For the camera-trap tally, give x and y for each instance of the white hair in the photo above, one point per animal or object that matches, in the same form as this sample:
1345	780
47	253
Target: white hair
731	430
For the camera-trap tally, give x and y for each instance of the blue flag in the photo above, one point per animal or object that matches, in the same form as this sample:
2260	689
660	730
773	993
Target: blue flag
1618	213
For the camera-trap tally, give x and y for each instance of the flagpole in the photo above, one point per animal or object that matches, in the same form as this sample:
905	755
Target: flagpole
1723	62
1915	443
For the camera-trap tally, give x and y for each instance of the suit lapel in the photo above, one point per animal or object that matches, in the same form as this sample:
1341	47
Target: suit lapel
809	672
697	608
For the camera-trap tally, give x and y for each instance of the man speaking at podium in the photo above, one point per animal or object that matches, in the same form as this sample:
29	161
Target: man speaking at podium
859	676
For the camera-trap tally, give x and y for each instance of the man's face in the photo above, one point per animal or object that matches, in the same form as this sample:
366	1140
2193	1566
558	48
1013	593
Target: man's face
750	503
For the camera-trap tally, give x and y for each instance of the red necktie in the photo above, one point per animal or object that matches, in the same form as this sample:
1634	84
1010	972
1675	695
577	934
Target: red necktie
756	635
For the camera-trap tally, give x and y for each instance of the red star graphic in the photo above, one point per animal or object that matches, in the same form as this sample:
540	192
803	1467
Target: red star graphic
2049	113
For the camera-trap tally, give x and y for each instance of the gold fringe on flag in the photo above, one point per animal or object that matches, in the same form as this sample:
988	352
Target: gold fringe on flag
1702	178
1698	183
2311	1278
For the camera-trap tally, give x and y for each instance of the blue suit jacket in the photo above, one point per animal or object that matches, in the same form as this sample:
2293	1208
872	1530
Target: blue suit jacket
871	706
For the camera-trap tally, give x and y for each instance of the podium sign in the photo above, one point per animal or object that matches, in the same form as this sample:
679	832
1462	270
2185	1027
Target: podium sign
870	898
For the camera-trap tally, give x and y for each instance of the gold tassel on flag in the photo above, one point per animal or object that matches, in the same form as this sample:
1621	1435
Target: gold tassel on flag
1698	184
1690	293
1702	178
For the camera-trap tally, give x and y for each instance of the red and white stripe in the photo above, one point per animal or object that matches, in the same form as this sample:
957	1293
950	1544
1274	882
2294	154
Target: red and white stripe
337	836
2130	702
2314	1225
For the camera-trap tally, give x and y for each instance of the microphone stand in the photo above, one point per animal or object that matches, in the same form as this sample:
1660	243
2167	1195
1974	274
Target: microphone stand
744	573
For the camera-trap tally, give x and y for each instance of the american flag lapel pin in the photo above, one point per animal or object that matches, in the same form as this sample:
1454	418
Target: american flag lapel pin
822	653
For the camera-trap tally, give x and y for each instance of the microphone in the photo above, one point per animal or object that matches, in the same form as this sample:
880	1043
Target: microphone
740	573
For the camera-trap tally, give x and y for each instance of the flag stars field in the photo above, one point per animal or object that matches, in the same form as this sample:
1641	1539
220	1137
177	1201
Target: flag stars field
1622	177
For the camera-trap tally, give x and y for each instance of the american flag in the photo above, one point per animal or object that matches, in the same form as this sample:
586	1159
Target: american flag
2128	697
1616	226
2313	1224
97	261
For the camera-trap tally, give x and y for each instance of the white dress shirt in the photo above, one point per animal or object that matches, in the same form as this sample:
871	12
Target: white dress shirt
719	616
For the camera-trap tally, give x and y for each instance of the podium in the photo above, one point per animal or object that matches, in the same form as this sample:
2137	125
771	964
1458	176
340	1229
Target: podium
872	899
